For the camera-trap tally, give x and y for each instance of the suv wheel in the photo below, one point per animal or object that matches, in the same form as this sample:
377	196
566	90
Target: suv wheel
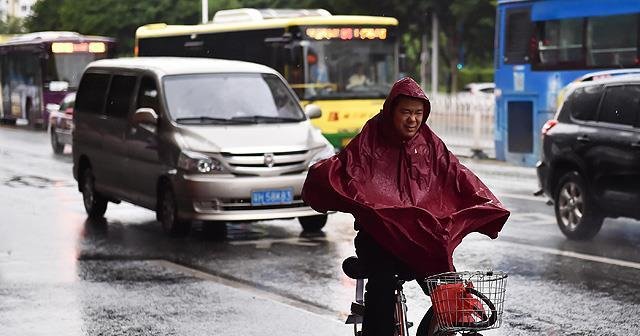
576	213
313	223
57	147
168	214
94	203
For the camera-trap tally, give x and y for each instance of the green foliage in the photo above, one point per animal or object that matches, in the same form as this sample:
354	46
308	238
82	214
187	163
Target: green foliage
12	26
471	75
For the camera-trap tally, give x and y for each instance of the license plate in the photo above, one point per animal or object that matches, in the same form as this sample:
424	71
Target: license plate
346	141
271	197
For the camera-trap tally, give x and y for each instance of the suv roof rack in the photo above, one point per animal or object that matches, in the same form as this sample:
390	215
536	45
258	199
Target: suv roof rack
253	14
592	76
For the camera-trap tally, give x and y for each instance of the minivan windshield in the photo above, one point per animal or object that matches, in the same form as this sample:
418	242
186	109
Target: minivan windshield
230	98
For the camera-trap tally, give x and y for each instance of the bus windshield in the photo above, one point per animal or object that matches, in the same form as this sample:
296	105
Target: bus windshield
347	69
68	67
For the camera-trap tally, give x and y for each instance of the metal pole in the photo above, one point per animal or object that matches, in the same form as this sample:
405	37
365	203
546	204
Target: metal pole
434	54
205	11
424	58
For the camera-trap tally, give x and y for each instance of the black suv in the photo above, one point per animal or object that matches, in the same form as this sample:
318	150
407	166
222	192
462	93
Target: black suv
590	164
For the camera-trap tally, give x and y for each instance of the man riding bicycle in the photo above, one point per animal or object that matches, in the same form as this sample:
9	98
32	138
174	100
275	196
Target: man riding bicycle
412	200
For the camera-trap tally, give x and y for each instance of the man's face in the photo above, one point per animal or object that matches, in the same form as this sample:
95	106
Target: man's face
408	116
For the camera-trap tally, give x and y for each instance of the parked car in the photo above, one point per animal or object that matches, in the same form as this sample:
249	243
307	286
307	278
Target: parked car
61	123
194	139
479	89
590	164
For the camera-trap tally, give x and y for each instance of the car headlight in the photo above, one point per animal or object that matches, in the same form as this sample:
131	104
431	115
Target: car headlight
325	153
196	162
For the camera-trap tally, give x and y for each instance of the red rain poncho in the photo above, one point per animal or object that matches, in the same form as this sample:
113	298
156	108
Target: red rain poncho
413	197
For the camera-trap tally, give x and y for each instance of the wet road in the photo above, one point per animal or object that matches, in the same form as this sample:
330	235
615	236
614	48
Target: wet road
63	274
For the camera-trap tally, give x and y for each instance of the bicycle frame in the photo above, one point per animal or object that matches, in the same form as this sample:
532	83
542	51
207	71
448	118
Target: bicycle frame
400	313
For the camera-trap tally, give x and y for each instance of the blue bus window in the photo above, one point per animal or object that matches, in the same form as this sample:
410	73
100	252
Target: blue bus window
518	34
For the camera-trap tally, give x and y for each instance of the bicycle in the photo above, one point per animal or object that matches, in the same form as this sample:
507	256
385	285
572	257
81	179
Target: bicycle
462	302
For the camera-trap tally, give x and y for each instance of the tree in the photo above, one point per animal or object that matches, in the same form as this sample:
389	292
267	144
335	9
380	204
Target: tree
12	25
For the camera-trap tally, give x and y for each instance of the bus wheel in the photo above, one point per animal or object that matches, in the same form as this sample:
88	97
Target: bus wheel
57	147
30	114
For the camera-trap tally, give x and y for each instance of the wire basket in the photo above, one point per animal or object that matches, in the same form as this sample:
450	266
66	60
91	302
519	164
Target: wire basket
467	301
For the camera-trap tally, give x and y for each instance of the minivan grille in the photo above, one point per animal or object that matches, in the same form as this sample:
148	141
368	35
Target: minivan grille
266	163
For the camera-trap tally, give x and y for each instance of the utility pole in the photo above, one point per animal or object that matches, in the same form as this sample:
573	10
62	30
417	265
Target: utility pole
424	59
434	53
205	11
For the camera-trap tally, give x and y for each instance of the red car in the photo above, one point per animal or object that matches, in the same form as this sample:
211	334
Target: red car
61	123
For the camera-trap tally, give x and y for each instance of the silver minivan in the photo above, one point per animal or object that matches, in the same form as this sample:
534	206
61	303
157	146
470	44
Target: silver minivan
194	139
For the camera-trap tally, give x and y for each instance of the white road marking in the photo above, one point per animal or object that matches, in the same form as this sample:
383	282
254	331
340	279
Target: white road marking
577	255
279	299
266	243
520	196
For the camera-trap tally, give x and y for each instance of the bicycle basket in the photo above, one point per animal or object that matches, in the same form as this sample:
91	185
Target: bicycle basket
467	300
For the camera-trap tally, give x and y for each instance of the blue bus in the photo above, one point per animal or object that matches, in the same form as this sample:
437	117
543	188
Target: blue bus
541	46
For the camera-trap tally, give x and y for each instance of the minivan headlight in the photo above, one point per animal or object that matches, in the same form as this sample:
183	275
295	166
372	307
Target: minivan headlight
196	162
325	153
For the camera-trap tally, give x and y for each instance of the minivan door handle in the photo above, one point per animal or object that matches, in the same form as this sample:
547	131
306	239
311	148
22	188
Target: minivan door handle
583	138
636	145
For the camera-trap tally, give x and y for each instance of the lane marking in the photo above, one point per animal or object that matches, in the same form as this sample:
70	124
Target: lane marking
524	197
577	255
289	302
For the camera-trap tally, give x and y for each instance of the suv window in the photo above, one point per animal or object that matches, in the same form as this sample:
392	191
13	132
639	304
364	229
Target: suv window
91	95
120	95
620	105
148	94
584	102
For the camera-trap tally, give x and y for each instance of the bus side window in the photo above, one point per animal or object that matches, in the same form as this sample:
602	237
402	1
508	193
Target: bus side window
519	31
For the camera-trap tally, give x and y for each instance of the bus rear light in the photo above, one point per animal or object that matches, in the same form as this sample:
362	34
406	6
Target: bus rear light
69	47
333	116
548	126
62	47
97	47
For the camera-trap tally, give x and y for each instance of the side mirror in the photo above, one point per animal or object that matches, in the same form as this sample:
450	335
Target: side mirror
52	107
313	111
57	86
145	116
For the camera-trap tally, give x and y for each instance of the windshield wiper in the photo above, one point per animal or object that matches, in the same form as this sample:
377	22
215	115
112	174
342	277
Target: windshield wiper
206	120
257	119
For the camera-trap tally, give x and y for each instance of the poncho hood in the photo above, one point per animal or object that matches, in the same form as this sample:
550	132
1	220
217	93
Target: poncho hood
413	197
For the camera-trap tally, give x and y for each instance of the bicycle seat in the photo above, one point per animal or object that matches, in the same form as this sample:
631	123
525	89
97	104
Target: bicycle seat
354	269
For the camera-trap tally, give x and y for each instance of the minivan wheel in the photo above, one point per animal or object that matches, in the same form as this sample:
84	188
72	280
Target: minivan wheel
168	214
576	213
313	223
57	147
94	203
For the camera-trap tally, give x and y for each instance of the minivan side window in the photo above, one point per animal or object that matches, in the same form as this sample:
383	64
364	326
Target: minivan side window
148	94
620	105
584	102
92	92
120	95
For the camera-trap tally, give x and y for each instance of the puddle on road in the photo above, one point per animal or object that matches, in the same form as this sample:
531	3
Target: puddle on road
35	182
